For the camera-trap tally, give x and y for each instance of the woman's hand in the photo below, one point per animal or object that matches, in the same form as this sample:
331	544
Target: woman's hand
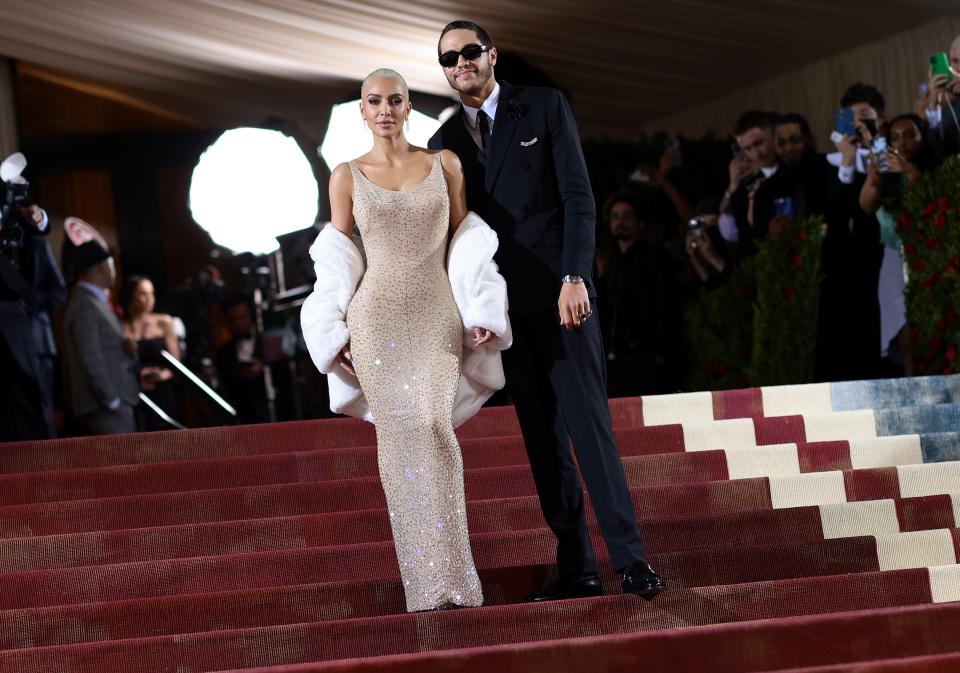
345	360
482	336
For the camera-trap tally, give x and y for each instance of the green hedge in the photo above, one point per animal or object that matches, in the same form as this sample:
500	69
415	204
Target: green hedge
927	225
759	328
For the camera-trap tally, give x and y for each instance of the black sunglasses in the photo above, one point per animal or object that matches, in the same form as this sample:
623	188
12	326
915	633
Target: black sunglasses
448	59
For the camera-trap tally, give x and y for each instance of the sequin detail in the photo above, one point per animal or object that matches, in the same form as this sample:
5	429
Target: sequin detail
407	341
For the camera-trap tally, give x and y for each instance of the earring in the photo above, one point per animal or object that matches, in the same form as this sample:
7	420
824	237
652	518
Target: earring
406	125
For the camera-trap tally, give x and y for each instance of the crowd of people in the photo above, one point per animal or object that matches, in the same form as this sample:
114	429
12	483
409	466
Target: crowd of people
115	372
776	176
113	341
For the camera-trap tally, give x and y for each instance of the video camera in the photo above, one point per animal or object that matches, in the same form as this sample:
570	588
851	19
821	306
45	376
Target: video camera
15	197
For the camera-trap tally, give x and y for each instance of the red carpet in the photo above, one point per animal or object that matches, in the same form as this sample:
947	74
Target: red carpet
807	541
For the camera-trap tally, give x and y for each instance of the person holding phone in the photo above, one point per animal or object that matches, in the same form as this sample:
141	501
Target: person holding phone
804	185
911	154
755	160
848	321
942	98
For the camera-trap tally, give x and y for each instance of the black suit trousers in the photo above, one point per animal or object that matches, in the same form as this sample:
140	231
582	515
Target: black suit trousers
557	379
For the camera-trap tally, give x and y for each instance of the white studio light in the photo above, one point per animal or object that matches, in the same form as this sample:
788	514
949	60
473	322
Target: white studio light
251	186
348	137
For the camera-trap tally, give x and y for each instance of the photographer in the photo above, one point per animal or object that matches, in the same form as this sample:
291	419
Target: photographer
942	103
911	154
28	286
755	160
848	323
705	247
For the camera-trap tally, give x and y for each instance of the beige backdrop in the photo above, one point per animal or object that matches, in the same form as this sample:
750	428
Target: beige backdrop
896	65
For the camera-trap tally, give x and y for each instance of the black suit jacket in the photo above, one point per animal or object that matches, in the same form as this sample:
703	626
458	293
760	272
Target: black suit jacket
532	188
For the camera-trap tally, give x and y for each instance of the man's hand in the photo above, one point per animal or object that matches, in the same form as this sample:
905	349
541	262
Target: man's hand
574	305
33	214
848	150
740	169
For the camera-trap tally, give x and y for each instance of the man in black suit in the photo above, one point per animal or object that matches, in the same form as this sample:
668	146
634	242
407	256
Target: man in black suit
526	176
24	410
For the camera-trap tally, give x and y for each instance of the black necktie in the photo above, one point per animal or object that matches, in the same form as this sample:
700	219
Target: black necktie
483	123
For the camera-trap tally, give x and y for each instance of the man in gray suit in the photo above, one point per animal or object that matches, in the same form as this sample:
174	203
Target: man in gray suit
101	365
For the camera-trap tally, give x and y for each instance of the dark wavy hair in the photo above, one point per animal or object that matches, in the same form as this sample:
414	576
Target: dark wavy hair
928	157
863	93
128	290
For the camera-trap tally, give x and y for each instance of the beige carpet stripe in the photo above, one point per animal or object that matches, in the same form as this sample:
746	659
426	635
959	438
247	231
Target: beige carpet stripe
929	479
920	549
843	425
851	519
815	488
945	583
811	398
886	451
677	408
778	460
734	433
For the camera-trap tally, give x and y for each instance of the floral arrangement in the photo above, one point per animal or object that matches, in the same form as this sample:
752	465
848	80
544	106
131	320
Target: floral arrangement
927	225
785	313
759	328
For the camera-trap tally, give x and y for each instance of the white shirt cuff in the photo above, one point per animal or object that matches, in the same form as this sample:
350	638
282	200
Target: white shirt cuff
934	116
845	174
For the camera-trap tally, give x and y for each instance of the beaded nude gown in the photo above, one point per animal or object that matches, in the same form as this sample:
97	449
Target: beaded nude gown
406	339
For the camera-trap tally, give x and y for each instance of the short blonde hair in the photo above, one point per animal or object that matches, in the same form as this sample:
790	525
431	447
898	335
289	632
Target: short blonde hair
389	74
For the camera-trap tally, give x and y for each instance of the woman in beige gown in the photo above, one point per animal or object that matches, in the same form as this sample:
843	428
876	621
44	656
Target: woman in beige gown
406	339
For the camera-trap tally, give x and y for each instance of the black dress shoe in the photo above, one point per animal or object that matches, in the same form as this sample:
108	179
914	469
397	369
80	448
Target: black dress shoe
639	578
566	587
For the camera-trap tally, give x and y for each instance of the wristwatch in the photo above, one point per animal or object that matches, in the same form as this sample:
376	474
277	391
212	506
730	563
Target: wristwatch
573	280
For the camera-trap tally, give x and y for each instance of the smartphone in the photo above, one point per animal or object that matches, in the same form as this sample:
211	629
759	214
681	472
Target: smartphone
871	125
784	206
940	65
879	150
843	120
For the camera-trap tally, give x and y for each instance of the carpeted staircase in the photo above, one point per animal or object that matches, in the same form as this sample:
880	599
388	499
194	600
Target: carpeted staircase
802	528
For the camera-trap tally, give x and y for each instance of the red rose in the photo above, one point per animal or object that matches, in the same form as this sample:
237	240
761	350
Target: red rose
947	370
920	265
951	353
936	343
927	285
798	261
903	224
930	210
951	317
790	294
910	249
802	235
933	243
940	221
944	204
941	325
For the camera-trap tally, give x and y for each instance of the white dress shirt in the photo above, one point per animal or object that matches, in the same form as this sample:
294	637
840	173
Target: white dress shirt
490	107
